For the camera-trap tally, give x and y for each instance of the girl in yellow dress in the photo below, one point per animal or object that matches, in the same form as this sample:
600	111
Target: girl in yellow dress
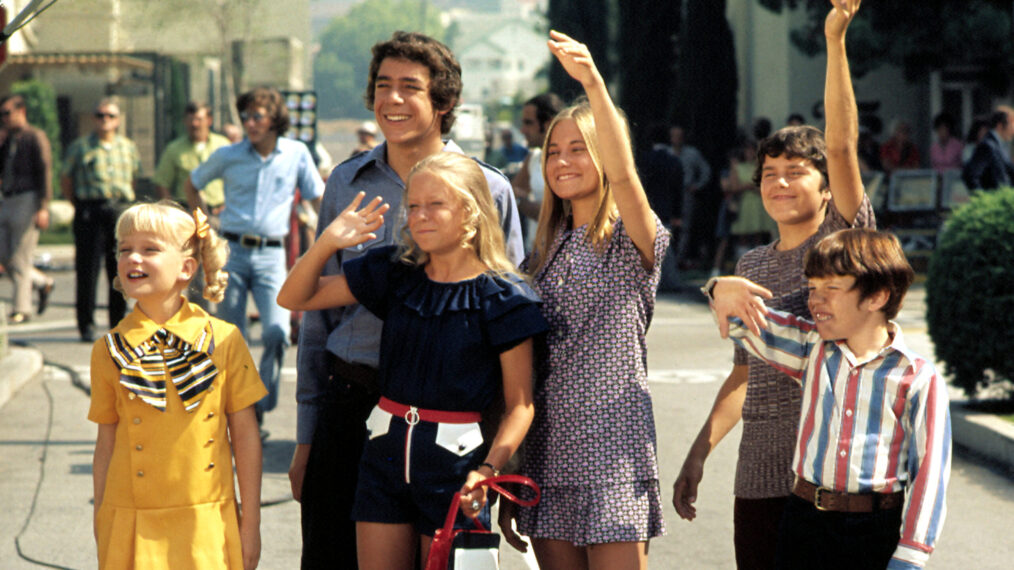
171	388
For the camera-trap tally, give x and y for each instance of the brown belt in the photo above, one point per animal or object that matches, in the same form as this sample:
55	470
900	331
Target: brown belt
827	500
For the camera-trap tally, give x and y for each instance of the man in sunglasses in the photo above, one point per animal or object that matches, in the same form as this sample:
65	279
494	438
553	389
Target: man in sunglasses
99	177
260	175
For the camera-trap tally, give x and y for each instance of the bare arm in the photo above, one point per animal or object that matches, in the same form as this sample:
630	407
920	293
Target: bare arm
725	414
163	193
194	198
67	188
104	443
516	364
617	156
842	129
246	447
305	289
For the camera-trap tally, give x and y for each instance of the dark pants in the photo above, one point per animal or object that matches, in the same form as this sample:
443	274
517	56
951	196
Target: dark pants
756	531
95	242
809	538
332	472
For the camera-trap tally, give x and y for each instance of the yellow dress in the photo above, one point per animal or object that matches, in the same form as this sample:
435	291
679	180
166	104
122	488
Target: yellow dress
169	500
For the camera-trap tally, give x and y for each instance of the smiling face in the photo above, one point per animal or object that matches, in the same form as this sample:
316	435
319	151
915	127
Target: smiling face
793	190
571	172
402	104
151	270
436	218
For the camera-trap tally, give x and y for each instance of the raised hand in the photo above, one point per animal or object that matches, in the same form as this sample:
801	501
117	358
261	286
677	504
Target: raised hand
574	57
355	225
838	19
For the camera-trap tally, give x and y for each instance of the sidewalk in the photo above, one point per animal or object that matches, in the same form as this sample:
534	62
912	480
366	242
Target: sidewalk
46	446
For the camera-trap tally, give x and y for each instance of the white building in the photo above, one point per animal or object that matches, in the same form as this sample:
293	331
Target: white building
500	54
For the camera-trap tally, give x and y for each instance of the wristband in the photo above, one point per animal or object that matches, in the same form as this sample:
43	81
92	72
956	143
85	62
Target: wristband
709	288
496	472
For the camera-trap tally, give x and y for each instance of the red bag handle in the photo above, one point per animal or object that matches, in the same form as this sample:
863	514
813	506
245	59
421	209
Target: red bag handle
493	483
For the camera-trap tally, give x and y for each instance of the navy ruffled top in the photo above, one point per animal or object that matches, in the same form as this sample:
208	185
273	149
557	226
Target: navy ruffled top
441	342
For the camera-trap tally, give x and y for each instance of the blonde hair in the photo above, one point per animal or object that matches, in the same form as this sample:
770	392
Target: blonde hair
172	223
465	180
556	211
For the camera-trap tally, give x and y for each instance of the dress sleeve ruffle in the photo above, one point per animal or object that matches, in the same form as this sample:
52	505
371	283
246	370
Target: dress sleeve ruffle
370	278
507	304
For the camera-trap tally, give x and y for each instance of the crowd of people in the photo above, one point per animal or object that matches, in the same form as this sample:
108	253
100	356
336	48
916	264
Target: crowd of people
458	324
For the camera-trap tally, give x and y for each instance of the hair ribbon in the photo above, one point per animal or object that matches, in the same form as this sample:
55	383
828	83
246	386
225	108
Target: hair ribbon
201	221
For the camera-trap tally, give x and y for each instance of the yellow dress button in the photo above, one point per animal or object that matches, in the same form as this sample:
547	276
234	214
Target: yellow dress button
211	465
211	415
140	473
210	441
131	396
137	421
211	388
139	447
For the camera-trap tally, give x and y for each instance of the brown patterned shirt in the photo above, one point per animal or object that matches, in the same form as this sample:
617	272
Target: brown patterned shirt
771	409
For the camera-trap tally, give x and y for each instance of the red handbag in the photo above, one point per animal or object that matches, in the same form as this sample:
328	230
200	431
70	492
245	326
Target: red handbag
449	540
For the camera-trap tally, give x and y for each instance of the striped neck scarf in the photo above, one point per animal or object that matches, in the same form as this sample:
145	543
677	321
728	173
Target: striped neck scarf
143	368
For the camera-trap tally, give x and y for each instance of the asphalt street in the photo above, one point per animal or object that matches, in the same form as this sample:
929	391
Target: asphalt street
46	445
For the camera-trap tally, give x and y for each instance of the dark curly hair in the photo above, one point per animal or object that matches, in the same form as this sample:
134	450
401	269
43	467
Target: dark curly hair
273	103
794	142
445	72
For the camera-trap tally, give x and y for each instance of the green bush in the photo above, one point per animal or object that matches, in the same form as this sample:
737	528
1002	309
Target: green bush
970	291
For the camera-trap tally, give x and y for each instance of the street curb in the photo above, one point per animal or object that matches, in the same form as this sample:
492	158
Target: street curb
984	434
19	367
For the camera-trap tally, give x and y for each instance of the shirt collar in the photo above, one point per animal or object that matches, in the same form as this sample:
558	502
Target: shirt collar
186	324
377	156
897	345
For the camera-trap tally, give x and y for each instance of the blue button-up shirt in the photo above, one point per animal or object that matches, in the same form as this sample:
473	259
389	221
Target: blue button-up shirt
259	190
352	333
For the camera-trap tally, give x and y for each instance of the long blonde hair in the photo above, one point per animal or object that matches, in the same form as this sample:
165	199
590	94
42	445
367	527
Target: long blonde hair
555	211
464	178
172	223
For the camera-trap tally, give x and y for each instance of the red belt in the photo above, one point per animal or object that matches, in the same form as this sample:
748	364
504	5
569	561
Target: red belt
414	415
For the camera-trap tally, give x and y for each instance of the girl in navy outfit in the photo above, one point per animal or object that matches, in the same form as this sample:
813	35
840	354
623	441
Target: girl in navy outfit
458	323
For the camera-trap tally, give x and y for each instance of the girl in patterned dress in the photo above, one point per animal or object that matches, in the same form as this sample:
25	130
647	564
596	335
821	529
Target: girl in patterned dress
456	340
596	265
173	390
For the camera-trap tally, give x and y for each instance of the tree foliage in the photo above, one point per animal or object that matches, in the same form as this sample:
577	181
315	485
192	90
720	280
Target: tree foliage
588	22
969	300
341	67
918	36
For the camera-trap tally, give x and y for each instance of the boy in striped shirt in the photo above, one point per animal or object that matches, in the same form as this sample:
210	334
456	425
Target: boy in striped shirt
873	449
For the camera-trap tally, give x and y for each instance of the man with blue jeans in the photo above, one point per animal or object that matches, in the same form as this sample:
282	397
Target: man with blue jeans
260	175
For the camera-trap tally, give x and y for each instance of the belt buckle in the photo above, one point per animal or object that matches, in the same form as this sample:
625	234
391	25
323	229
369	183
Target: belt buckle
412	416
816	498
250	240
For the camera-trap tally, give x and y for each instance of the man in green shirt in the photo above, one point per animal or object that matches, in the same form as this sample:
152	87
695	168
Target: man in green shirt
179	158
99	175
185	153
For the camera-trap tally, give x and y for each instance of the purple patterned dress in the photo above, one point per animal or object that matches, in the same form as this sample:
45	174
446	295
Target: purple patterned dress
591	447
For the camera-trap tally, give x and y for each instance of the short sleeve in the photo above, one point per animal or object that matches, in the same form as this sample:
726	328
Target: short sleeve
513	316
644	280
71	159
369	279
104	379
243	384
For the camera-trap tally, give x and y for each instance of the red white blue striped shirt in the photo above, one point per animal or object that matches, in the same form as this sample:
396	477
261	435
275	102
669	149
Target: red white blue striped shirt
882	425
